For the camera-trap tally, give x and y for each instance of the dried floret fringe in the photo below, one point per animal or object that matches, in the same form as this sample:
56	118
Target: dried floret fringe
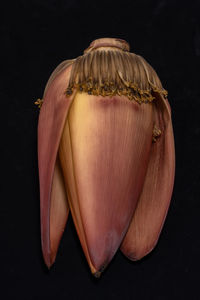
115	72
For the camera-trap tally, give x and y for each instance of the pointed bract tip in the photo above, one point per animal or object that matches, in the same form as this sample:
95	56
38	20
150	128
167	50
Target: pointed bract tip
49	261
132	257
48	265
98	273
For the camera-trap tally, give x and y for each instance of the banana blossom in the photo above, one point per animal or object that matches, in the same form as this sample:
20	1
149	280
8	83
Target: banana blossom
105	153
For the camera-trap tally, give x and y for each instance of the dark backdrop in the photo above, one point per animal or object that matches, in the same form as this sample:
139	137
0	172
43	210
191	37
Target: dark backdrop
35	37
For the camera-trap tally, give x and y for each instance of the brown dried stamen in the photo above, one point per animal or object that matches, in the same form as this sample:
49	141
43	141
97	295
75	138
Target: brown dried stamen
39	102
115	72
156	133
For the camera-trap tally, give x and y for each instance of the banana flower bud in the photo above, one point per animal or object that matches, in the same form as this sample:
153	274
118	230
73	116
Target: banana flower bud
105	153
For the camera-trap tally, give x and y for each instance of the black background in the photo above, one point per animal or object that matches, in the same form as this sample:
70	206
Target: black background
35	37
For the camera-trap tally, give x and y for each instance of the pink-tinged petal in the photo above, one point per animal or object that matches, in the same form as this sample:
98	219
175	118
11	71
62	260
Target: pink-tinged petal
62	66
59	210
52	193
109	140
66	155
155	198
